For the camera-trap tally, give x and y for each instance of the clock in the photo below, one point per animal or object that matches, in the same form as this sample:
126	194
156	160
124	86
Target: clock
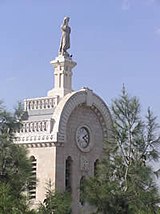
82	137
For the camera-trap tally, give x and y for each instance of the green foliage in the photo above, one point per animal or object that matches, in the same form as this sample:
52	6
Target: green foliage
15	167
10	204
55	202
125	179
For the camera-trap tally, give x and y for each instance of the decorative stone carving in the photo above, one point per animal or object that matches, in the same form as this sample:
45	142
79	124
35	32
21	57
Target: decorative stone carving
29	139
65	39
84	164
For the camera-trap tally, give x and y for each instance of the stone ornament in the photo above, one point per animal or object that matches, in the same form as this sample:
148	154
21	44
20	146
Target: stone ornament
65	39
84	164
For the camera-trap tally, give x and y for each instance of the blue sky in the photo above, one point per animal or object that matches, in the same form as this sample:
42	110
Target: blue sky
112	41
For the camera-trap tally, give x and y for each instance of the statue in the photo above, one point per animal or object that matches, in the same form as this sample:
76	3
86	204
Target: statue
65	39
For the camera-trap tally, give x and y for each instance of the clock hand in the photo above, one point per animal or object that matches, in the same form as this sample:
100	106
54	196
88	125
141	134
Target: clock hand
85	138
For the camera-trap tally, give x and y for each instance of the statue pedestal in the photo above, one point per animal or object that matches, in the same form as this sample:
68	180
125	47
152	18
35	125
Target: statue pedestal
62	76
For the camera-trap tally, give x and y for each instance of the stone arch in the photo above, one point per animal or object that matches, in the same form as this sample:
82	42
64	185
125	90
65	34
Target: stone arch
70	102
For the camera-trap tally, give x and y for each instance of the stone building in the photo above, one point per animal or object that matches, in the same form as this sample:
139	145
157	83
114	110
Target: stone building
65	133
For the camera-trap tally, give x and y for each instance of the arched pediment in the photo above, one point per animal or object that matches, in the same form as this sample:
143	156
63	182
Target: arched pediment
67	105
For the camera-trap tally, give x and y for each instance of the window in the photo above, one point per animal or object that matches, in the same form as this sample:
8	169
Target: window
32	182
96	167
81	197
68	174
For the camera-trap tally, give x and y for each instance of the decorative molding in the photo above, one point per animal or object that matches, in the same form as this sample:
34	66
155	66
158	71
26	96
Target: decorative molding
33	138
39	145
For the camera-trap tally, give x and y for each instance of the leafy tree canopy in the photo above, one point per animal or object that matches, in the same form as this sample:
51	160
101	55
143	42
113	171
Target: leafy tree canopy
15	167
125	182
55	202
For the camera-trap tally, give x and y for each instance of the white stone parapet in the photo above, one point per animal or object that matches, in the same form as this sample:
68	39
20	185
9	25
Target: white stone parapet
35	131
40	103
34	126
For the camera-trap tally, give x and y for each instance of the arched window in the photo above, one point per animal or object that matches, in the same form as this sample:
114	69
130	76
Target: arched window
96	167
81	197
32	182
68	174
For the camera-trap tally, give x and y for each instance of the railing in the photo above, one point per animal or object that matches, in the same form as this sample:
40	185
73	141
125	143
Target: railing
40	103
34	126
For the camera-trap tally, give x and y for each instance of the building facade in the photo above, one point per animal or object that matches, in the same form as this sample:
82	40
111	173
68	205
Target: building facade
65	134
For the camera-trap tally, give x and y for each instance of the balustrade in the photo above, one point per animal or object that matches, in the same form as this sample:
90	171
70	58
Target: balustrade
34	126
40	103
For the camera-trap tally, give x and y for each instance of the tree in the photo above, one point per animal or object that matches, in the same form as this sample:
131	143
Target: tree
15	167
55	202
10	204
125	182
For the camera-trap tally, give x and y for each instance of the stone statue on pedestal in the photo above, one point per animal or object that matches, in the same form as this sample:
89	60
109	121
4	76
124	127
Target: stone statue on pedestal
65	39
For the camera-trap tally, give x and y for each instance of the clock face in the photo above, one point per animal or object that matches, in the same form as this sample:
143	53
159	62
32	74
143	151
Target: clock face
82	137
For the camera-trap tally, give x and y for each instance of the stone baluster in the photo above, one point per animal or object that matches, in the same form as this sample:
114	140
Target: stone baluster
24	129
27	127
32	104
35	126
50	103
43	104
46	104
31	126
39	126
36	104
39	104
43	125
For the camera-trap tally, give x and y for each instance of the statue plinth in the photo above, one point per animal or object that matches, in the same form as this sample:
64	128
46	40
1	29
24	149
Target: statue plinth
63	66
